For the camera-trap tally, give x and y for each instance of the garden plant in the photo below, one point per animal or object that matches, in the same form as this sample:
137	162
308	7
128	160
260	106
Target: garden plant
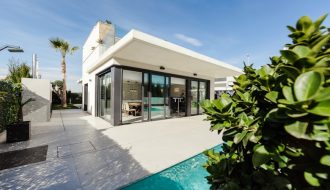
276	126
65	48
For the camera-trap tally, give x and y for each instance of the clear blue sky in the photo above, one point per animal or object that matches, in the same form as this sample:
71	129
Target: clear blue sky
224	29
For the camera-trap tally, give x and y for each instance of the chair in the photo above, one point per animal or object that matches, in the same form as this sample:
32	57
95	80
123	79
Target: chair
128	110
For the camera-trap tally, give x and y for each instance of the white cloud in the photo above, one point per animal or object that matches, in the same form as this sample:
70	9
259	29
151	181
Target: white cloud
189	40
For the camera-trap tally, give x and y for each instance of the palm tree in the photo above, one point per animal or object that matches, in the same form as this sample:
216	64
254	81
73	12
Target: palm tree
64	47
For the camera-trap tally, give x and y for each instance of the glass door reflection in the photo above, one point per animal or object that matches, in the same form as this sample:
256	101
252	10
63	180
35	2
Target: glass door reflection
132	96
201	95
194	98
178	97
145	89
105	96
157	99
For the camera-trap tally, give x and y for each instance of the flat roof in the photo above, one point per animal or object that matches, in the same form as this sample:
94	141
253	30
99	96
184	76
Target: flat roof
144	48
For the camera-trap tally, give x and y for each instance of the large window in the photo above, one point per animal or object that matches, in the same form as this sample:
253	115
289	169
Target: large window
194	97
159	85
131	96
202	94
178	97
147	95
104	102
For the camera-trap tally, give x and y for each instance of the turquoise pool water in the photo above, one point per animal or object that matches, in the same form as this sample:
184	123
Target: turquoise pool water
186	175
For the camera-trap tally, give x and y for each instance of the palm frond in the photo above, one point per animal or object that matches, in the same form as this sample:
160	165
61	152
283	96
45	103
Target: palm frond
73	49
60	44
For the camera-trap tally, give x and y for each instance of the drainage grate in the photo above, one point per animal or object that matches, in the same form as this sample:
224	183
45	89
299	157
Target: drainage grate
23	157
74	149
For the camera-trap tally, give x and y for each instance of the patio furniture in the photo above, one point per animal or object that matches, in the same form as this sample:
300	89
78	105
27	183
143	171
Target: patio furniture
127	109
136	106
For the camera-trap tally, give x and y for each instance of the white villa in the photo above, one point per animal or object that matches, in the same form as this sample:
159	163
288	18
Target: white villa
142	78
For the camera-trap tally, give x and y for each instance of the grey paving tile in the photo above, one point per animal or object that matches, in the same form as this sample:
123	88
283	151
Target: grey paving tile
81	147
88	166
55	174
64	151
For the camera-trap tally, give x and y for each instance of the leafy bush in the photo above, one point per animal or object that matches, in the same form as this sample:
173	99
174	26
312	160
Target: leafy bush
17	70
9	93
276	126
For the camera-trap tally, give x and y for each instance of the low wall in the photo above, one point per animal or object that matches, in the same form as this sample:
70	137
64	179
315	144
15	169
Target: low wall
40	90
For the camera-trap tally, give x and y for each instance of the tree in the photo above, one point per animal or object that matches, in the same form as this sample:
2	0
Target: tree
65	48
276	126
17	70
58	89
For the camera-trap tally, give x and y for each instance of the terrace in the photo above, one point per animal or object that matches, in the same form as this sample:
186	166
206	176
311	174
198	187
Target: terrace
87	152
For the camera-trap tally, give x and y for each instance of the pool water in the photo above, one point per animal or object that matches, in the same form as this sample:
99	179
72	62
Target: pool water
186	175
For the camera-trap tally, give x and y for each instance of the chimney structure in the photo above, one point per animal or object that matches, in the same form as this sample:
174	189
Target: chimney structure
34	65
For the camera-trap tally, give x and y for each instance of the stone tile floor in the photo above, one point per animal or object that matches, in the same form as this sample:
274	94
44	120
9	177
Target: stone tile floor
85	152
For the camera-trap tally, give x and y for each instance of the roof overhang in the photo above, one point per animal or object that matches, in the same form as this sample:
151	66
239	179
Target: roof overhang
140	47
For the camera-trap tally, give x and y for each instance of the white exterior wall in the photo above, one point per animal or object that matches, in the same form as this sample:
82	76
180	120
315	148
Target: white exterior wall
225	84
40	90
105	32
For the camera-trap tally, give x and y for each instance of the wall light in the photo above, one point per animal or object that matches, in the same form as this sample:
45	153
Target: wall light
195	74
162	68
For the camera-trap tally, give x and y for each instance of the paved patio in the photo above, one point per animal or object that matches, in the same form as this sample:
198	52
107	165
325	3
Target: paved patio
85	152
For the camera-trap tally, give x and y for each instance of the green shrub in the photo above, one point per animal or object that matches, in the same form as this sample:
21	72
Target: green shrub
9	94
276	126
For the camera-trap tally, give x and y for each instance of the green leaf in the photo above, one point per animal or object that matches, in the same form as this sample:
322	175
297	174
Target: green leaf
320	44
297	129
324	62
290	71
325	160
289	55
313	181
323	94
239	136
265	71
244	119
288	94
304	23
320	20
225	99
246	138
272	96
305	62
218	104
322	109
260	156
217	126
307	85
206	104
302	51
292	29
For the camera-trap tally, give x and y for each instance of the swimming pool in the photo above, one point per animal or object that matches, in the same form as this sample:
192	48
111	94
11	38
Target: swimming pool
186	175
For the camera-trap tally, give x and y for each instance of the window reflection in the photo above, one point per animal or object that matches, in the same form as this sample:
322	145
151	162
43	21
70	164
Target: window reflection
132	96
178	97
105	96
194	98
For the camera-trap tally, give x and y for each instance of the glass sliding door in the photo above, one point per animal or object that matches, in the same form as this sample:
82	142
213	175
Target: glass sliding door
178	97
105	96
201	95
131	96
145	89
194	97
157	99
166	96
